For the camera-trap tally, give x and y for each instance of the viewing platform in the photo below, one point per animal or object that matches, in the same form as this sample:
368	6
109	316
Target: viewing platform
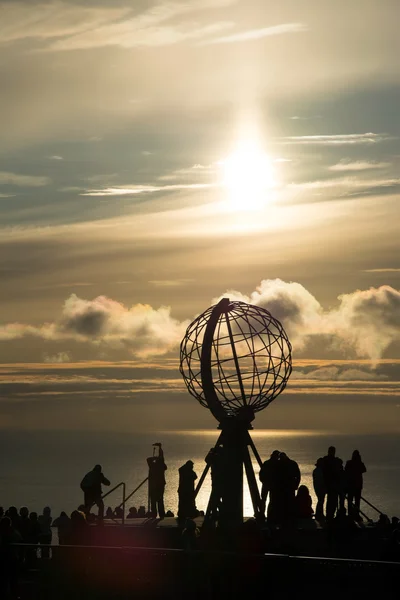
307	538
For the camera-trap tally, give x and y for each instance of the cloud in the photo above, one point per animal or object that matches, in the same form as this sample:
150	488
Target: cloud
195	171
387	270
60	357
170	282
305	118
338	140
290	303
350	186
365	323
368	320
47	20
16	179
150	27
141	329
359	165
334	373
144	189
56	157
257	34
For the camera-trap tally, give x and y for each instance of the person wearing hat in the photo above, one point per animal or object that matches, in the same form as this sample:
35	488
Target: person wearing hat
186	492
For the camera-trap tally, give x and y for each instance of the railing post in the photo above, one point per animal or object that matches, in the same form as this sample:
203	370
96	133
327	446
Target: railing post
123	500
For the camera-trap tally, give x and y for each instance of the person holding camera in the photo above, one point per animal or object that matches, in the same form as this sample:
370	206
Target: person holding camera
157	468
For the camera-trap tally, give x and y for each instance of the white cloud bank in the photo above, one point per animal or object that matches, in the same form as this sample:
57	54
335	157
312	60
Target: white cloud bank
364	324
141	329
366	321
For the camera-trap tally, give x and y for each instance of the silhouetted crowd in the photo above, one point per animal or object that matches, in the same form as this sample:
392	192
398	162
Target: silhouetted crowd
333	483
26	536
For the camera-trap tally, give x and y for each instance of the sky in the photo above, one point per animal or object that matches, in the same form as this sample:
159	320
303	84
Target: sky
158	156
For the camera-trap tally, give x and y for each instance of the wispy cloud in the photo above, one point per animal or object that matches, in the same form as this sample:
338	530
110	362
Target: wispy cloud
144	189
7	178
257	34
358	165
152	27
305	118
350	184
386	270
338	140
170	282
195	171
46	20
334	373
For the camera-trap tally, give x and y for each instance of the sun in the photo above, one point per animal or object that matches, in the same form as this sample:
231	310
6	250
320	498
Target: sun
248	177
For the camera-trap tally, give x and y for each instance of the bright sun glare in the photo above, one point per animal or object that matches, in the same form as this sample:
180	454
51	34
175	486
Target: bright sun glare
248	177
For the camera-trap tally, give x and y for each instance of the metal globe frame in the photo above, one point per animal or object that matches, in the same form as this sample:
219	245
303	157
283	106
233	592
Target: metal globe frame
235	359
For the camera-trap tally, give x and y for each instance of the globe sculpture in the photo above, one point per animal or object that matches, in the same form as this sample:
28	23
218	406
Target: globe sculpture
235	359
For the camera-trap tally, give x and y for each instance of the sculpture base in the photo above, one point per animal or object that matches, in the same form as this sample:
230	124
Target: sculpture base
228	461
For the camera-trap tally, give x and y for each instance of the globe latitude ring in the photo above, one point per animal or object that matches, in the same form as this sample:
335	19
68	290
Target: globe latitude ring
235	359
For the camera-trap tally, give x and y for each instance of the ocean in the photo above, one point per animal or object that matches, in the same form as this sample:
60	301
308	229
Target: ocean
45	468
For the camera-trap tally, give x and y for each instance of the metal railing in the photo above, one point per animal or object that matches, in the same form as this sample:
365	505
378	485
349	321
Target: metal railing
123	485
125	498
132	493
371	505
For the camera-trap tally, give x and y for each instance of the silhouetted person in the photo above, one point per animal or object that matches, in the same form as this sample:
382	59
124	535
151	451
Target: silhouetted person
63	524
133	513
190	535
91	487
78	534
9	559
267	477
333	476
303	503
118	512
287	481
157	468
34	535
12	513
186	492
24	524
109	513
46	534
354	483
141	512
319	488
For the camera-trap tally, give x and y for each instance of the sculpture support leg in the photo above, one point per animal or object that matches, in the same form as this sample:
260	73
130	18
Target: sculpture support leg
251	479
226	499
